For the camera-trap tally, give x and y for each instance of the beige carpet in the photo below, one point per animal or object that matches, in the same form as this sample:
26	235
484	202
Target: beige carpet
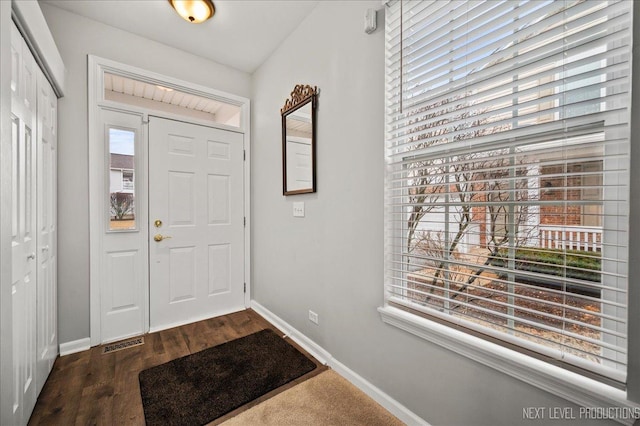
326	399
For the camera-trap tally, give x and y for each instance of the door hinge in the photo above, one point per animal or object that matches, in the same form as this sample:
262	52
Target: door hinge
244	155
245	221
245	287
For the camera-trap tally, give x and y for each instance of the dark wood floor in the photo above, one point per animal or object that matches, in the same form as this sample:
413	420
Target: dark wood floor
90	388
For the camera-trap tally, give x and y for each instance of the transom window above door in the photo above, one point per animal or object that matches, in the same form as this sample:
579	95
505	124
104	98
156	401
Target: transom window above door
143	94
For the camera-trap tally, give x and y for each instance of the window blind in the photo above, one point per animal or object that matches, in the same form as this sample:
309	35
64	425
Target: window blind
507	153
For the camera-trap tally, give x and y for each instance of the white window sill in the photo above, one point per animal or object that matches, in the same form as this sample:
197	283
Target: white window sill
555	380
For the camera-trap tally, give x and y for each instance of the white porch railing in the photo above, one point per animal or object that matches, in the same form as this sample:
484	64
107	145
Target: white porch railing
571	237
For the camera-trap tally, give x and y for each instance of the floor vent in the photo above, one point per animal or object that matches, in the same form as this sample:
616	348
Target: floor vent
122	345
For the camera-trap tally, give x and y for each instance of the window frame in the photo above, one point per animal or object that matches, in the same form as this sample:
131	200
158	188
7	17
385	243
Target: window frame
107	179
558	380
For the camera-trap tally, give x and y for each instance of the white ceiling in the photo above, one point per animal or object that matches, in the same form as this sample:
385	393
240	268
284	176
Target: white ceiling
241	34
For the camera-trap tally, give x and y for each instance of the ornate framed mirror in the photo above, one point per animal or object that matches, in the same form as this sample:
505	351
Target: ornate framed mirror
299	141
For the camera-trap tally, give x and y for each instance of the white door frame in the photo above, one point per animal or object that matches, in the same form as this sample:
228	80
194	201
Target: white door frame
96	68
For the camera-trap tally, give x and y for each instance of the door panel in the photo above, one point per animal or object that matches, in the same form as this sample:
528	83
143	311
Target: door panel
182	274
196	188
46	298
181	204
124	277
121	281
24	264
219	264
218	196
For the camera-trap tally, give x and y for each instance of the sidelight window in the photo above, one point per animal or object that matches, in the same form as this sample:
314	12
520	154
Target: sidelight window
122	192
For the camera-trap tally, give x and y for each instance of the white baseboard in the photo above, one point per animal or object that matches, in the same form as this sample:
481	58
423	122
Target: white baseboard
79	345
307	344
390	404
393	406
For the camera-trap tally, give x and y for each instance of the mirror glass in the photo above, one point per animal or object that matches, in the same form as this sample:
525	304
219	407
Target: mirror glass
298	148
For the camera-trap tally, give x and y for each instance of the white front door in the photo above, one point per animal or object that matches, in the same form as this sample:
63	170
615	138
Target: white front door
196	222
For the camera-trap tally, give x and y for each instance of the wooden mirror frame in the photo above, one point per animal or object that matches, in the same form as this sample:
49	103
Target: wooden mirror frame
300	96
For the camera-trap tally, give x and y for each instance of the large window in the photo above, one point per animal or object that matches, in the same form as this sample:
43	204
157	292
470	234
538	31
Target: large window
507	173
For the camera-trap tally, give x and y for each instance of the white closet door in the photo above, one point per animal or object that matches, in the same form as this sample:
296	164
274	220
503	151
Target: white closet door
47	321
24	233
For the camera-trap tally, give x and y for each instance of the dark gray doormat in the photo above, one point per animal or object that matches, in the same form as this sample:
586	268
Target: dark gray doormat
198	388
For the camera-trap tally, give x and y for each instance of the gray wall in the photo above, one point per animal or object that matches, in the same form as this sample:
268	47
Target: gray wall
331	261
77	37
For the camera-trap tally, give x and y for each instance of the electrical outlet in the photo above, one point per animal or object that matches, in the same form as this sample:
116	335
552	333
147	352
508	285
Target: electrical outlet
313	317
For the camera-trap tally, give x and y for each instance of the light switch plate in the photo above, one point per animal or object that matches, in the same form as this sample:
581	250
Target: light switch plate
298	209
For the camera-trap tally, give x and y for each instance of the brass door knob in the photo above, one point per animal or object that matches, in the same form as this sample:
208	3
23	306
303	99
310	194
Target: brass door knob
159	237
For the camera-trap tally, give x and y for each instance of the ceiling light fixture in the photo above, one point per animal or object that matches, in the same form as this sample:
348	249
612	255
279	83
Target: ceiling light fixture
194	11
